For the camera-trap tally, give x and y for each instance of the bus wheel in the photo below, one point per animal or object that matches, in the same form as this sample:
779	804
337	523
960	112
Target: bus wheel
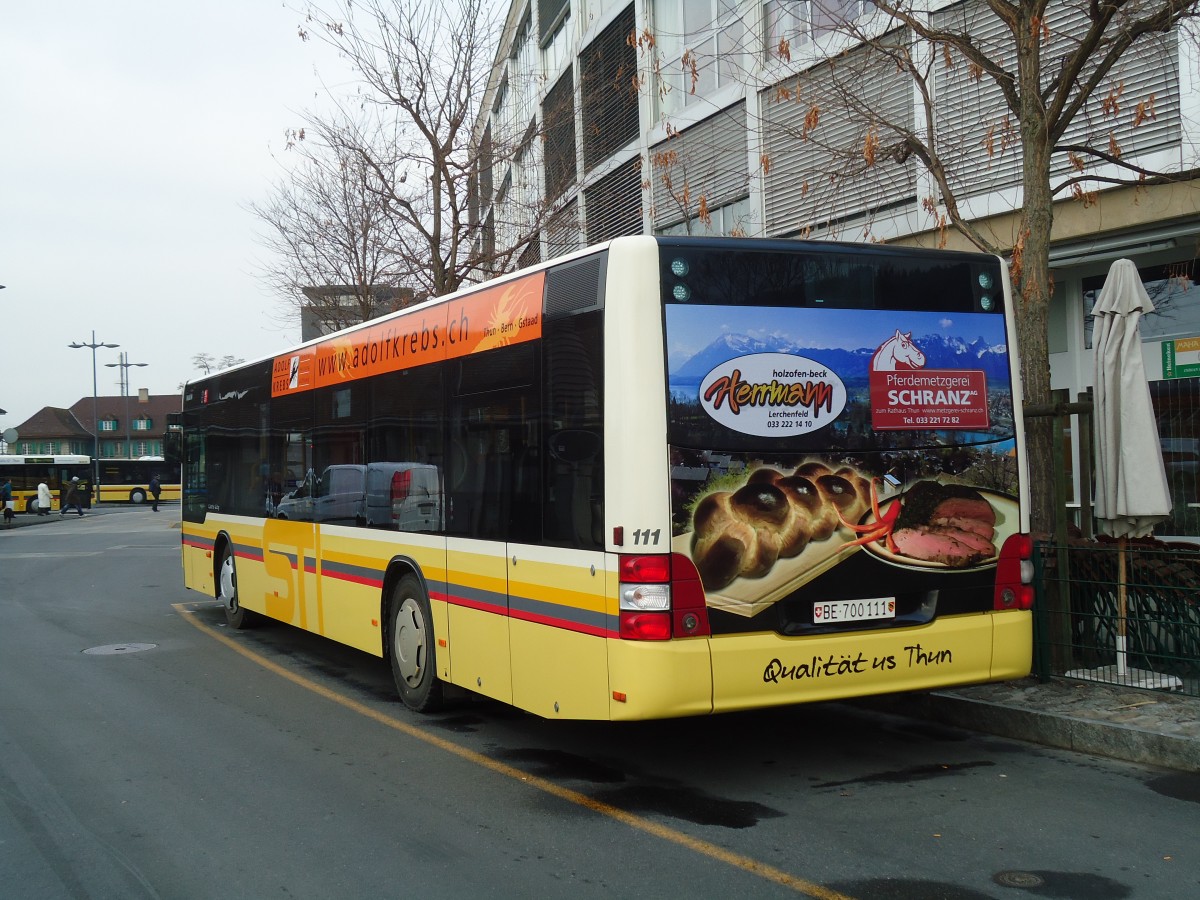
137	496
410	635
235	615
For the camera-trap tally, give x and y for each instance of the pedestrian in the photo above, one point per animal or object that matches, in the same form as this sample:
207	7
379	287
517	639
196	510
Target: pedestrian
6	502
72	498
45	499
156	490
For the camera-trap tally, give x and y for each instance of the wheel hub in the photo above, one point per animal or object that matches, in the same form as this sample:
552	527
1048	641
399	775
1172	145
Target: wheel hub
410	642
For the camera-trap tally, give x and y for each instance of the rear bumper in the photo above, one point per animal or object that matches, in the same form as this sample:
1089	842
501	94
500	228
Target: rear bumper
758	670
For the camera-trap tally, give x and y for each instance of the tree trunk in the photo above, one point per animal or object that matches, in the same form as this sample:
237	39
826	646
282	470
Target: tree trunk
1031	273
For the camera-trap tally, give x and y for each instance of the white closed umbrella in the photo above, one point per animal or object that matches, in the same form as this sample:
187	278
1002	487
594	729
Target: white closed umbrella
1131	482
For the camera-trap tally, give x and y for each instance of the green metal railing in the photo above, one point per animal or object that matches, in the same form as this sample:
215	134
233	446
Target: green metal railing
1135	624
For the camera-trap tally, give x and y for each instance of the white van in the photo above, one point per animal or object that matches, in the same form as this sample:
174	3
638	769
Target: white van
404	496
397	496
336	497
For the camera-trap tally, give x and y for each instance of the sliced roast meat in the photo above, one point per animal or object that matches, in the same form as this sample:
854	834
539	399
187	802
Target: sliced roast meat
938	545
978	526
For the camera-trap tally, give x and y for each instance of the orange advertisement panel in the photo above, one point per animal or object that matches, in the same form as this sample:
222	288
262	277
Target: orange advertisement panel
494	317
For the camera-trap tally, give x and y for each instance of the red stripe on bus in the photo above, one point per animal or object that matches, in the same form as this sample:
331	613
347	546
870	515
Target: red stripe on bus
476	604
551	621
565	624
356	579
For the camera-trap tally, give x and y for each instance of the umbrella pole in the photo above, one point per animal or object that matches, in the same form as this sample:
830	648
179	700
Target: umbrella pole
1121	601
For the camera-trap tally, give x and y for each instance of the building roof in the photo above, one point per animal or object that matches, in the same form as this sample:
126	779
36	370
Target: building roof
52	422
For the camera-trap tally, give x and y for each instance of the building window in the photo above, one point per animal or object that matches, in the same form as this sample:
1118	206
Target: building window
731	220
609	98
1176	297
788	24
486	161
108	424
554	44
613	205
701	43
1175	327
558	120
551	15
143	424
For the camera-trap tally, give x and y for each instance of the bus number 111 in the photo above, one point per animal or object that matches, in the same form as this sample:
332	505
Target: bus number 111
646	536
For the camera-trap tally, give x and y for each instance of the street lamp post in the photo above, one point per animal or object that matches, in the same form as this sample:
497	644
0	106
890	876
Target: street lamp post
124	365
79	345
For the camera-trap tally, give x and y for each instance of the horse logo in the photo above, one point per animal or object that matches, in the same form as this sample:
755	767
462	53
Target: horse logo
897	353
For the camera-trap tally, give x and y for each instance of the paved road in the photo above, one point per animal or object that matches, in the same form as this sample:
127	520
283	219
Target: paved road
146	751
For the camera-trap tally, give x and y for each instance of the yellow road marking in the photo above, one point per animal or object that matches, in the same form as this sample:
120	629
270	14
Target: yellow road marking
705	848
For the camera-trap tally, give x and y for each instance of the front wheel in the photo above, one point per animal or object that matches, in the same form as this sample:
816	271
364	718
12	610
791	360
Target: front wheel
137	497
411	646
235	615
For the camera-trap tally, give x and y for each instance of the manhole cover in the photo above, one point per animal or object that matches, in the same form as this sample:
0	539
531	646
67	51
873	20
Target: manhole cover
114	649
1018	879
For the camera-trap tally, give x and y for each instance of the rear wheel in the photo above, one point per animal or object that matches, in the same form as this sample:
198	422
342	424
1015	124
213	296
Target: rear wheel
137	496
411	646
235	615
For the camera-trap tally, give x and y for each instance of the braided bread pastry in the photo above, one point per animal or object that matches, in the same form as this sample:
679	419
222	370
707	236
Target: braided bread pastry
773	516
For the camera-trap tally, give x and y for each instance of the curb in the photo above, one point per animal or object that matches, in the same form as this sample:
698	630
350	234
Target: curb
1111	740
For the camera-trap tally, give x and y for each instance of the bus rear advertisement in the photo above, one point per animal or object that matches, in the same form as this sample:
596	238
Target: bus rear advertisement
659	477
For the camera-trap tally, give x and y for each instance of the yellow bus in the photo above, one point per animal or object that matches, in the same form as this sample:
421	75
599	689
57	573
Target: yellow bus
658	477
25	473
128	480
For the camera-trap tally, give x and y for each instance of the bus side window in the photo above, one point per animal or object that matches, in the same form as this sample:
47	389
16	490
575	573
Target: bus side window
574	432
493	416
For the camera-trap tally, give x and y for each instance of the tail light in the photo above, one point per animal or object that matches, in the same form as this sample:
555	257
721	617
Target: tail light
401	482
661	598
1014	574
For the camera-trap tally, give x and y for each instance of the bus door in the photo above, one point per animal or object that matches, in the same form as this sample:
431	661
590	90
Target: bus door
477	561
493	425
290	548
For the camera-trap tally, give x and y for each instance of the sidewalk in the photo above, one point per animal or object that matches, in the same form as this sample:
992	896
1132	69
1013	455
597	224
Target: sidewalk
1157	728
23	520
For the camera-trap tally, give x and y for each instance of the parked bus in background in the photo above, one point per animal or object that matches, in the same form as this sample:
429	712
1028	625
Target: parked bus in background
662	477
27	472
128	480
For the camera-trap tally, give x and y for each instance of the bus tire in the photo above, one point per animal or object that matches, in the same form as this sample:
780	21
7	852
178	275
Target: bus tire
411	646
137	496
236	615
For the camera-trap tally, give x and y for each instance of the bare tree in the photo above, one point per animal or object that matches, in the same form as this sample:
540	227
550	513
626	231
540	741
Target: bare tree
207	363
331	237
890	99
421	70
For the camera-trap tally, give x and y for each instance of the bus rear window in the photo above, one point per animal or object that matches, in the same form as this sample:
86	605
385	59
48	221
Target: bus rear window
861	350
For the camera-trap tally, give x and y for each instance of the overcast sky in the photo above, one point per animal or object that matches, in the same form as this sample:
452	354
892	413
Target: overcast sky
133	134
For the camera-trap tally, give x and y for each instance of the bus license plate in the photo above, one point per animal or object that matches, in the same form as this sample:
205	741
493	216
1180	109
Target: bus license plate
854	610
